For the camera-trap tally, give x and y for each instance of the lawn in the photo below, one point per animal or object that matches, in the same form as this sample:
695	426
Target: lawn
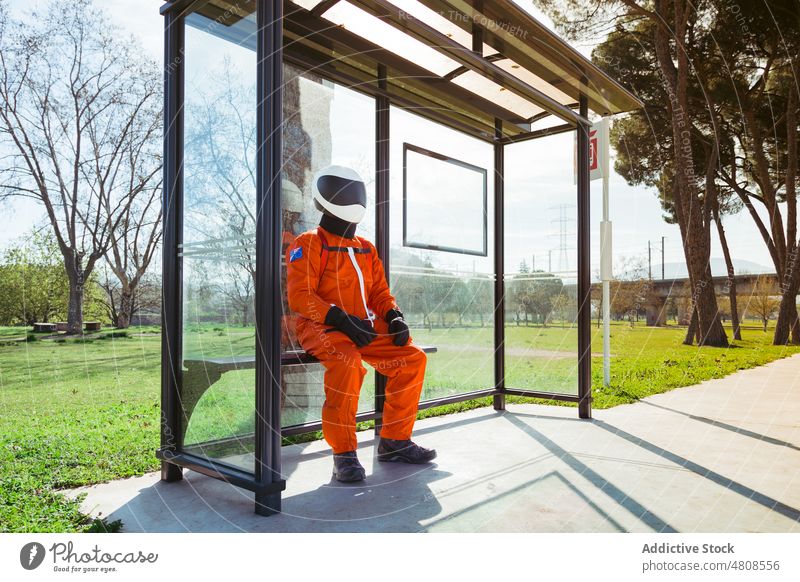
79	412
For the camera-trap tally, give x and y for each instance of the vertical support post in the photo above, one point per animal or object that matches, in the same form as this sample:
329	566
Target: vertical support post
477	33
382	214
499	400
584	272
606	270
172	217
268	261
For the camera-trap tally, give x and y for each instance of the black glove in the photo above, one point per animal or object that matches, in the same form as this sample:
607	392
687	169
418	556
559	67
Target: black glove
358	330
398	327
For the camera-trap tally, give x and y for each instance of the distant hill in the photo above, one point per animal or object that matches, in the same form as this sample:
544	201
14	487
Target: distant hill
718	269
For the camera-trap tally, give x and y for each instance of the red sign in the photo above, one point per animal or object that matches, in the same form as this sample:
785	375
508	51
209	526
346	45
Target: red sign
598	148
593	157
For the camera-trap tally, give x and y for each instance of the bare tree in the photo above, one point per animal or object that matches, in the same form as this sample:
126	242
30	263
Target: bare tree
764	301
145	298
240	292
78	112
133	246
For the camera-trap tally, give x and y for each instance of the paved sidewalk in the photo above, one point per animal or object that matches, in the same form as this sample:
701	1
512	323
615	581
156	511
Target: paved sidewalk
721	456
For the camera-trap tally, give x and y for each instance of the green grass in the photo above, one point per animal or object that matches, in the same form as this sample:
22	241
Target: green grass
84	411
16	332
648	361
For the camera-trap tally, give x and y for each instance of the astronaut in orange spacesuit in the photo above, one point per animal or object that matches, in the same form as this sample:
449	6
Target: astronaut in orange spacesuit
347	315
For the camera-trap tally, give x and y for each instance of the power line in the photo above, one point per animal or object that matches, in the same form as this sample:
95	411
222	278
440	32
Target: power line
564	235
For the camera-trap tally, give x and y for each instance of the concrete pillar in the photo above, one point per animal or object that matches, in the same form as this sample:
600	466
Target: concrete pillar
656	312
684	312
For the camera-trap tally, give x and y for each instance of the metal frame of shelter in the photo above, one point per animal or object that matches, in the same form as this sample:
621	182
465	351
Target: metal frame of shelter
510	76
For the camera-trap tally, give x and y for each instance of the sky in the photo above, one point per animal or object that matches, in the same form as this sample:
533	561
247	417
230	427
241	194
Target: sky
544	168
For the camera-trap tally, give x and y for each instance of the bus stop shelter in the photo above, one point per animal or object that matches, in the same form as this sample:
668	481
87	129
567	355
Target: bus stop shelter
438	104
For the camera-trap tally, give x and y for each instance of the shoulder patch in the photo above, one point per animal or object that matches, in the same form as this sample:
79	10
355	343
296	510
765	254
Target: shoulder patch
296	254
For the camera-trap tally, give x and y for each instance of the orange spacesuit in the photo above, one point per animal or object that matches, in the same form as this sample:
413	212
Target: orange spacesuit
321	272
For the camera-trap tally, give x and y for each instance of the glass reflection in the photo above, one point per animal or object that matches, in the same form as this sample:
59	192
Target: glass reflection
218	381
447	297
541	334
324	124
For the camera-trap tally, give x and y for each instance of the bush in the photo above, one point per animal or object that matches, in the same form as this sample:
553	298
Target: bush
114	334
32	337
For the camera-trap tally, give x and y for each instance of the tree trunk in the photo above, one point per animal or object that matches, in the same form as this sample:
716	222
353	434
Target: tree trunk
737	327
692	214
788	327
75	306
709	325
723	241
125	310
691	332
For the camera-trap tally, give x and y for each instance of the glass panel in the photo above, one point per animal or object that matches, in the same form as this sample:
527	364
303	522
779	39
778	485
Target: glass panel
385	35
541	266
307	4
448	22
444	22
447	297
462	191
324	124
218	381
534	81
490	90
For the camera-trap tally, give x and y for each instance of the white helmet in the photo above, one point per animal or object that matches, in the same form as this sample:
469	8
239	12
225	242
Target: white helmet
340	192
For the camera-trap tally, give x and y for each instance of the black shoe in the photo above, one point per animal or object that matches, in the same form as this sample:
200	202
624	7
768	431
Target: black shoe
406	451
347	468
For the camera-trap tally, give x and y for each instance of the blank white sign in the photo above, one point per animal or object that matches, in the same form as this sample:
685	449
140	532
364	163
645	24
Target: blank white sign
444	202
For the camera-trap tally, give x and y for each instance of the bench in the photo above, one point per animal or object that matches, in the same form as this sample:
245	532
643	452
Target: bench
40	327
200	375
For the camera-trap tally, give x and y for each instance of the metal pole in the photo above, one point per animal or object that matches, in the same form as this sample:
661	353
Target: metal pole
499	400
382	216
584	270
649	261
606	333
662	257
606	259
269	116
172	220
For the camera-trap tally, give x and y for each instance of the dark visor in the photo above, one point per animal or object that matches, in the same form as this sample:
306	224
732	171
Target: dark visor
341	191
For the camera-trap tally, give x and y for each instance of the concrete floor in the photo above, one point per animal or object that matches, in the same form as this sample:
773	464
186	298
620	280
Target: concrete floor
722	456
